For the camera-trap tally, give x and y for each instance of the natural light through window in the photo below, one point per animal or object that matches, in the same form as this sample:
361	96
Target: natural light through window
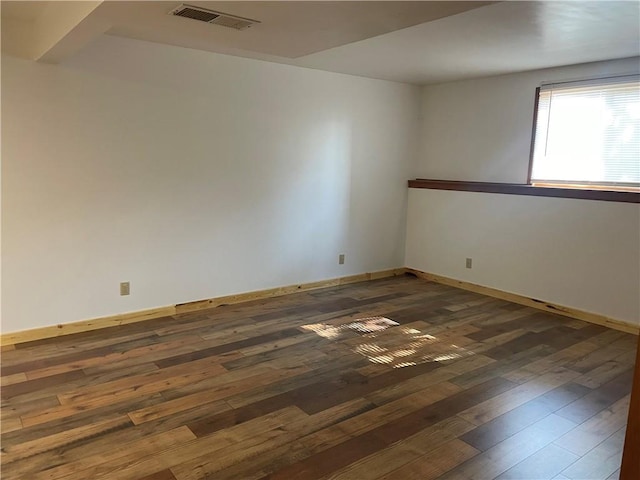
588	134
383	342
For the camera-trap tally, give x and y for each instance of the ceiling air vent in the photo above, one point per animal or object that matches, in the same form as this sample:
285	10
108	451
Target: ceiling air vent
212	17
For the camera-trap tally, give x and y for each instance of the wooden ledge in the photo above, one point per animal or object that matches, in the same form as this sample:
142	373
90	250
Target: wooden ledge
525	189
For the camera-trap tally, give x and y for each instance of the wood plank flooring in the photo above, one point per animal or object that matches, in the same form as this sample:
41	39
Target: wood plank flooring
319	385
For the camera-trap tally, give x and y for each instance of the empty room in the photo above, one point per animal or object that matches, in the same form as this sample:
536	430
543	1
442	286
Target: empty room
320	240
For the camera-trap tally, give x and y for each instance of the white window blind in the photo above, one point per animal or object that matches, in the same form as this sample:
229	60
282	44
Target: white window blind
588	133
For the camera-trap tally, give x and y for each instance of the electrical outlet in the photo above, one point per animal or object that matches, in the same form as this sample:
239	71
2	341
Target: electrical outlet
124	288
341	259
469	262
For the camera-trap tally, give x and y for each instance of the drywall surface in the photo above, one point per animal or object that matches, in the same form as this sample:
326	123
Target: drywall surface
192	175
480	130
578	253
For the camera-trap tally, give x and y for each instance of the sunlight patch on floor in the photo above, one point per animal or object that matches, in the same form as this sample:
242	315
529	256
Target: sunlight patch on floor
395	347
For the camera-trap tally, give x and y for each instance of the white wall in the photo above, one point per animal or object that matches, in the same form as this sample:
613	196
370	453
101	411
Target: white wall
192	175
480	130
578	253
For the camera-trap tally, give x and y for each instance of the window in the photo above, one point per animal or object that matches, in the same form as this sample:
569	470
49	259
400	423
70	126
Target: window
587	134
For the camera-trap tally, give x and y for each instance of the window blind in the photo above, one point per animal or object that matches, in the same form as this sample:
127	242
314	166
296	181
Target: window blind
588	133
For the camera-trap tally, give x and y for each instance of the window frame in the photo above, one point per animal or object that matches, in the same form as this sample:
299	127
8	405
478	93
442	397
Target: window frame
587	186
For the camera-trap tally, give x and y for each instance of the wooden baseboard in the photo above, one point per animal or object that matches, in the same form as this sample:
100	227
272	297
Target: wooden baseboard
85	325
139	316
7	339
278	291
530	302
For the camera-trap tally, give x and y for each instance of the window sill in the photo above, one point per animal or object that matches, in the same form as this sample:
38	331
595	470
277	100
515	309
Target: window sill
524	189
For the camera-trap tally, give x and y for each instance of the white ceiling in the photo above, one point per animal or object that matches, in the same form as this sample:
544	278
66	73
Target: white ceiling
286	29
416	42
502	38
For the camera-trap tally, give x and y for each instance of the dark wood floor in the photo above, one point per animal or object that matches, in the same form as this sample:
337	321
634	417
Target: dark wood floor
301	387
